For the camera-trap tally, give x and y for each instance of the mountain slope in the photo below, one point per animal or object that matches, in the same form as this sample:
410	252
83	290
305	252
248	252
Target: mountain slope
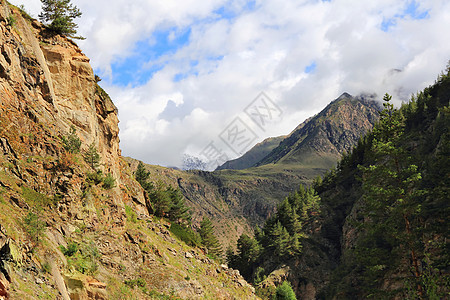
239	200
322	139
381	229
74	224
204	195
252	156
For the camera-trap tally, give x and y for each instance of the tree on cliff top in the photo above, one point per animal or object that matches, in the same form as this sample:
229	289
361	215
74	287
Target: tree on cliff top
59	15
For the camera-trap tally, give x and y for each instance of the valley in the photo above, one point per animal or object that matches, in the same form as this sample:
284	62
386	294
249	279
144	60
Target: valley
351	204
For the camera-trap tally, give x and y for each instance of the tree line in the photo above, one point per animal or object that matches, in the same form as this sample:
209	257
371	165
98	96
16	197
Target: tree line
280	238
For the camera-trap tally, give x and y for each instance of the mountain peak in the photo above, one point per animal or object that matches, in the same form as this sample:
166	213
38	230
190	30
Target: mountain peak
322	139
344	96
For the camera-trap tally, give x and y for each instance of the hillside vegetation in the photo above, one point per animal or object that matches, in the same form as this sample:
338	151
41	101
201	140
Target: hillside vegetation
376	226
79	221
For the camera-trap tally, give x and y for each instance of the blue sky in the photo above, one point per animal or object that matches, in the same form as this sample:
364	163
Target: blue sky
181	71
145	60
412	10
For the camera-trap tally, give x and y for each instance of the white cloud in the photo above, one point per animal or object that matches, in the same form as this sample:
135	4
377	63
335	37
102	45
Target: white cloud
234	53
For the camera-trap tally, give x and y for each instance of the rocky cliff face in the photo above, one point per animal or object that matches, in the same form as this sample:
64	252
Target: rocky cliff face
63	233
49	80
46	87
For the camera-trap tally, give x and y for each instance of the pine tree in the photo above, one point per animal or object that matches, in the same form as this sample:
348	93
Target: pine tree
289	219
295	246
304	202
160	199
59	15
209	240
142	176
72	142
231	258
91	156
166	200
277	239
294	225
284	292
178	212
248	251
391	191
284	214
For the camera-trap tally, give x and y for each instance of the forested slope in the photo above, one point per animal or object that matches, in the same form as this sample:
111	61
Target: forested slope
376	226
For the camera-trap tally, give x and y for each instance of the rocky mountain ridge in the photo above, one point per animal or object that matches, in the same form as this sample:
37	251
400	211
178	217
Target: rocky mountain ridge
329	134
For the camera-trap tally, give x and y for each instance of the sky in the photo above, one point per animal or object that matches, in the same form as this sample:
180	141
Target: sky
209	79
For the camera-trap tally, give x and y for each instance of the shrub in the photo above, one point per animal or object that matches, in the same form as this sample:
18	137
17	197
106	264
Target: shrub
284	292
34	226
46	268
11	20
85	260
266	292
72	142
259	275
131	214
71	249
65	162
109	182
94	177
186	234
139	282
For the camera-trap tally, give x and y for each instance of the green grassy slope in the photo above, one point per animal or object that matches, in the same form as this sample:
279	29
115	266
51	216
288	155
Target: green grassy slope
253	156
